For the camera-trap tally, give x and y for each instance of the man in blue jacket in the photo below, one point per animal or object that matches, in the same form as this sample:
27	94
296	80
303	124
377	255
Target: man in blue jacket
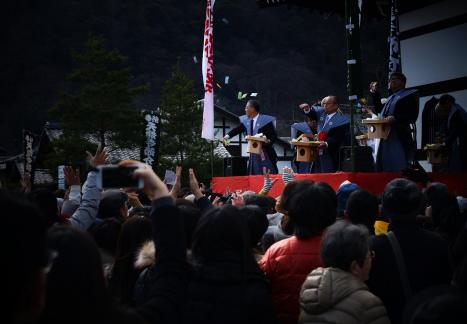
397	151
253	123
333	128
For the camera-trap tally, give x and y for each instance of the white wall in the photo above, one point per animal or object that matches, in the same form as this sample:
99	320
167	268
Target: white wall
436	56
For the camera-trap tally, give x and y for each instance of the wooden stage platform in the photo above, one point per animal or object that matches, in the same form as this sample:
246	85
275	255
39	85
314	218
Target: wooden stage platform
373	182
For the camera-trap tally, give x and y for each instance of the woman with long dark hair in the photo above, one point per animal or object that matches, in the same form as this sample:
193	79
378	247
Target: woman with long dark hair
227	285
76	288
134	233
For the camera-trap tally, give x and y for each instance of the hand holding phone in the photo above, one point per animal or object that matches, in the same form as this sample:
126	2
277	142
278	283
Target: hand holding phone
115	177
154	188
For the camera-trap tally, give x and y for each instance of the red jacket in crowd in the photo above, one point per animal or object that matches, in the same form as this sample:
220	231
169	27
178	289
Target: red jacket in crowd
287	264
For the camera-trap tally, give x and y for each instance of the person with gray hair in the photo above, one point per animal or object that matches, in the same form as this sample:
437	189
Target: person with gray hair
337	293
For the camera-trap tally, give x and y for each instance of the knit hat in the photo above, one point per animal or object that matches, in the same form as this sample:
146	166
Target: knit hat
343	193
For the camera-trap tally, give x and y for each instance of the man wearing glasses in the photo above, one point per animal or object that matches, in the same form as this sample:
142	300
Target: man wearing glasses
332	131
397	151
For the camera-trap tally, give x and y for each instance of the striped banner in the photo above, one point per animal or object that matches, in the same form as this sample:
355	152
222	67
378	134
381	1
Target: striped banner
208	74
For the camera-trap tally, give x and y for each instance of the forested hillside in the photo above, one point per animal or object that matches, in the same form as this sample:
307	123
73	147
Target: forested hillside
286	55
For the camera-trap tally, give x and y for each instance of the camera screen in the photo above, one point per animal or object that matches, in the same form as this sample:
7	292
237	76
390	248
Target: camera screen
119	177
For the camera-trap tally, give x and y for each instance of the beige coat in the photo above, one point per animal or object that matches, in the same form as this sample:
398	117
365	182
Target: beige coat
331	295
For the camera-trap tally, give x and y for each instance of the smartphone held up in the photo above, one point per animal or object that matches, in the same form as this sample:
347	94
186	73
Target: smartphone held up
115	177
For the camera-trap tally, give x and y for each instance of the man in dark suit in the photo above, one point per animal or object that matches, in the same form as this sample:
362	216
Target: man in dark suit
332	130
397	151
456	137
253	123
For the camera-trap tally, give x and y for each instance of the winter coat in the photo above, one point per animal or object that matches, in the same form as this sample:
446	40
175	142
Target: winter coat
171	271
427	262
286	264
145	261
331	295
228	291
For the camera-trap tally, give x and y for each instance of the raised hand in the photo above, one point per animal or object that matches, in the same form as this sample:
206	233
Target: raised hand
216	201
99	158
226	140
175	192
374	87
237	200
194	185
267	182
71	176
133	199
287	175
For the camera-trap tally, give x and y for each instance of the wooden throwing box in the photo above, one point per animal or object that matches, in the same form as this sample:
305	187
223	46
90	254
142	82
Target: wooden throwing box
255	144
377	128
306	151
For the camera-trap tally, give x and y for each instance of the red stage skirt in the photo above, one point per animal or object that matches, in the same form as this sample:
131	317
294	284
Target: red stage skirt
373	182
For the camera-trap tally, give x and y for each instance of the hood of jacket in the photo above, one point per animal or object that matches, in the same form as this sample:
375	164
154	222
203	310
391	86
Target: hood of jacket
146	255
325	287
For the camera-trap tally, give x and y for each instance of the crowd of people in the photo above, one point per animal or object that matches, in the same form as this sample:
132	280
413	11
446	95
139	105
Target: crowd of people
165	254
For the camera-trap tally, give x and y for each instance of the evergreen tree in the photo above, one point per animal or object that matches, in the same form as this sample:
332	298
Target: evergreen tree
181	116
99	101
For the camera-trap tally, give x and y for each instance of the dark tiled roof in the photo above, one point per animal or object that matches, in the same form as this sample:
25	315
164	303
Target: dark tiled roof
115	154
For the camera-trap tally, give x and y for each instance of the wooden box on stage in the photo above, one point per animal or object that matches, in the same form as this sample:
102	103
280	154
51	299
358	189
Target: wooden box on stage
434	153
255	144
377	128
306	150
362	139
